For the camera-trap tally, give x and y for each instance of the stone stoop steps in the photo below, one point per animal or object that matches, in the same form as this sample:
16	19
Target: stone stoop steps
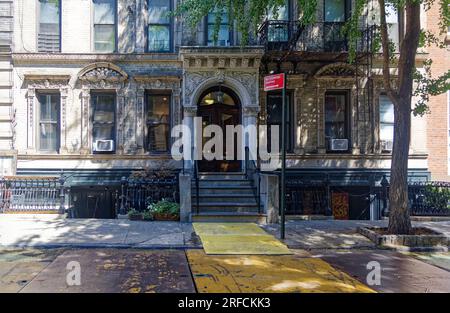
227	197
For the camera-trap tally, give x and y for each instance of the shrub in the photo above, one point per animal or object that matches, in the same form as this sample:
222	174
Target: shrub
133	212
165	207
436	197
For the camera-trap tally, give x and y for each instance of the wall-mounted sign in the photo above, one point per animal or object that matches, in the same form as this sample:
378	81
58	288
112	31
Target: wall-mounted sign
274	82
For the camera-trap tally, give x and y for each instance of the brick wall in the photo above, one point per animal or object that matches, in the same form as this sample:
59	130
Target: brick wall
437	120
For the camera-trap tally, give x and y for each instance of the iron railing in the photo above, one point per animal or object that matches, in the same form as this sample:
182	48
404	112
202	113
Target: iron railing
313	197
253	174
30	194
430	198
139	193
317	37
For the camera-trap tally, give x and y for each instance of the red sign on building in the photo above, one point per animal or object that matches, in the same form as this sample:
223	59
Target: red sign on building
274	82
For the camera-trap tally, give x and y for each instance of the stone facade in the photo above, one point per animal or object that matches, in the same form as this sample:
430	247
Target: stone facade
8	154
189	69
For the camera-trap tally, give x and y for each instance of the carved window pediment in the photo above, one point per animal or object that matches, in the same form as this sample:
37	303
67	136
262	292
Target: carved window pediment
343	70
106	72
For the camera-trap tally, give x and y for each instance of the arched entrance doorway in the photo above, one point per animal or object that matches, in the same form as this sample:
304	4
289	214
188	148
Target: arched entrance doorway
219	106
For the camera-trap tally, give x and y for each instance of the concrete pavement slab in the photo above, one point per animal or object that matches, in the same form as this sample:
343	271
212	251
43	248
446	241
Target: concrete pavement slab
399	273
439	259
113	270
328	234
20	266
263	273
21	230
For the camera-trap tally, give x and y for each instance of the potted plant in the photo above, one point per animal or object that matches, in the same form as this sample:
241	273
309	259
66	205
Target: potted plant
134	215
165	210
147	216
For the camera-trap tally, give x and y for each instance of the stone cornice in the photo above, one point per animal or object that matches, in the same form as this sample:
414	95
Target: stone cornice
149	78
51	78
91	57
205	58
236	50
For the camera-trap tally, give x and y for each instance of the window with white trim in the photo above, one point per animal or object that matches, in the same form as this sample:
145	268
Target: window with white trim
104	25
386	123
49	127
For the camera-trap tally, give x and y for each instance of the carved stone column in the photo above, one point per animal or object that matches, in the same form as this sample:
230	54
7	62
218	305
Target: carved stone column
30	123
321	148
85	127
140	119
121	116
64	93
356	128
189	113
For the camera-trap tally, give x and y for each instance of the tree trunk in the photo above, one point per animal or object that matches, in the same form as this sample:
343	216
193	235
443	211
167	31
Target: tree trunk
399	220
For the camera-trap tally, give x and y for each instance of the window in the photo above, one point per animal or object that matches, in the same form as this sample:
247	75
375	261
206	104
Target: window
103	120
274	116
386	122
279	28
336	13
392	21
49	30
157	123
104	25
49	104
336	116
159	26
225	33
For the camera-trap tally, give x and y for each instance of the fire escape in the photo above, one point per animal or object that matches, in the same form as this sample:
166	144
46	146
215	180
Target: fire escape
319	43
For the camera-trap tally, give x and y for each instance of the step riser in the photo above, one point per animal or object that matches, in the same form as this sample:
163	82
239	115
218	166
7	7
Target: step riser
224	183
250	200
237	209
234	191
222	177
236	218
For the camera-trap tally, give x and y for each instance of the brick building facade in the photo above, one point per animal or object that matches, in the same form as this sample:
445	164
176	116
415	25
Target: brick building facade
438	119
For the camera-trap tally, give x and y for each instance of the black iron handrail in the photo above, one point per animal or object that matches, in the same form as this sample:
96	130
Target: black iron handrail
252	172
197	183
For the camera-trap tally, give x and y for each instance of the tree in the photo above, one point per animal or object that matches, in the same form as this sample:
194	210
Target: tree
400	88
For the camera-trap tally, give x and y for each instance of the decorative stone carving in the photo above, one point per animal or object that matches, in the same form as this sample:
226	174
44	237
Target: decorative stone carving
194	79
102	72
250	110
45	82
337	70
190	111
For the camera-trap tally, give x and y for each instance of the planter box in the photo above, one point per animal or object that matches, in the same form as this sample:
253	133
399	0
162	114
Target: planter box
135	217
437	242
166	217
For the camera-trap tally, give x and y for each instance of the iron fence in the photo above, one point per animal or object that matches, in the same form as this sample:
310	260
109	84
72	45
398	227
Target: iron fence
430	198
25	194
139	193
314	197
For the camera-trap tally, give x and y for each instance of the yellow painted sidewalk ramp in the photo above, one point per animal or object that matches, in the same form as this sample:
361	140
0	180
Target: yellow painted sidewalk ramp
263	273
238	238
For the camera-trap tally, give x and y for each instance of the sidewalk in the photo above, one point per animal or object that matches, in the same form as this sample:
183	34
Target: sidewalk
51	231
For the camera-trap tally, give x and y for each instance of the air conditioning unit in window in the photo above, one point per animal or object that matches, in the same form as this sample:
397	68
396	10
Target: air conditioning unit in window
103	146
386	145
338	144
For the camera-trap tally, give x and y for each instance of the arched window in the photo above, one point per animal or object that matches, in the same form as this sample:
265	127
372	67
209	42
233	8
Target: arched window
219	95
